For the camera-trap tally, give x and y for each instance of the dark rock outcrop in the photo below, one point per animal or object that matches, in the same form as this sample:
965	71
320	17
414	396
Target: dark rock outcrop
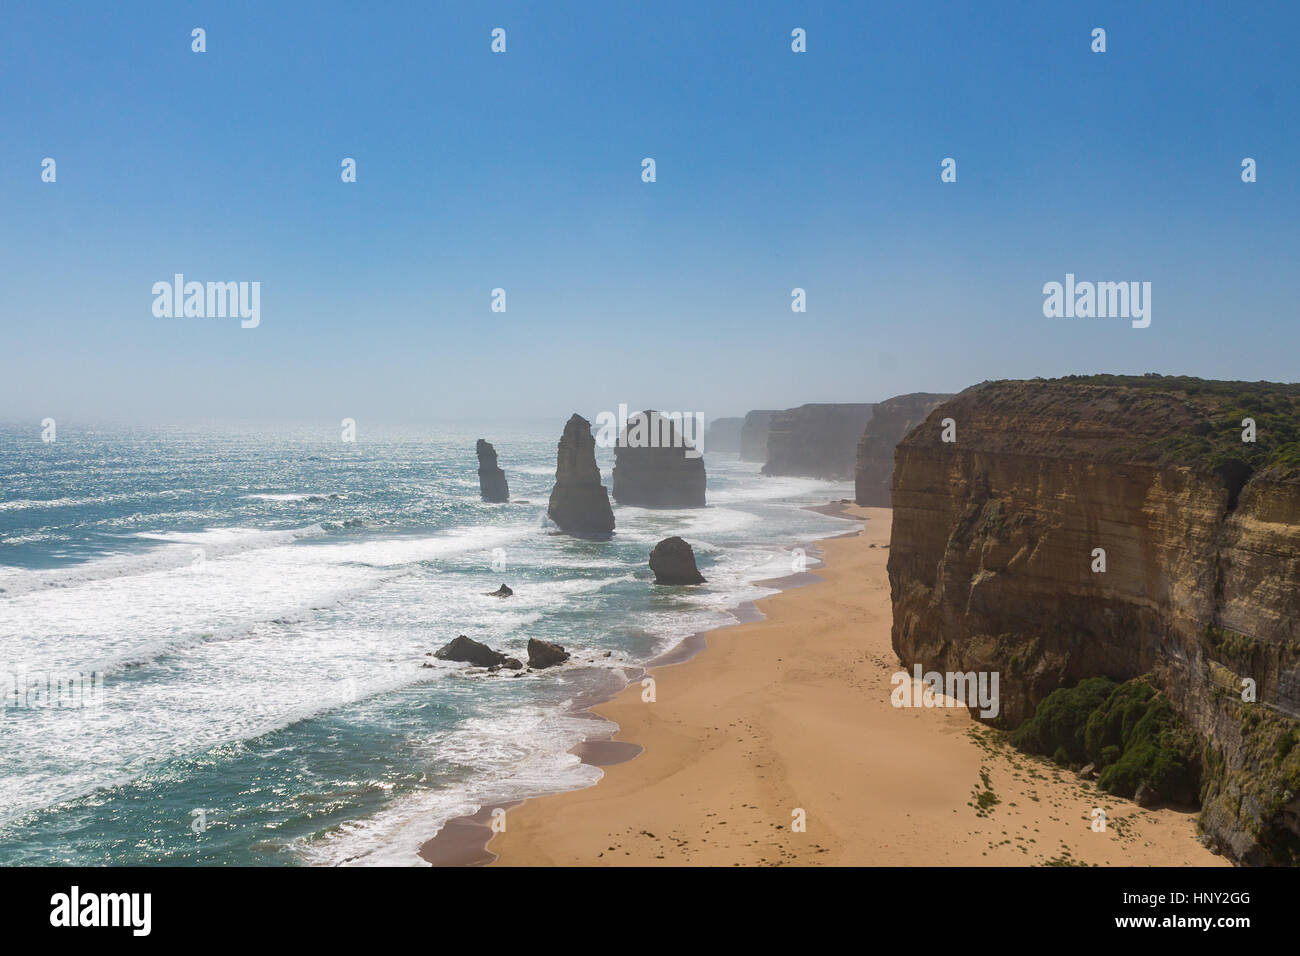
469	651
816	441
501	592
673	562
753	435
891	420
994	567
723	435
579	502
491	479
545	654
654	467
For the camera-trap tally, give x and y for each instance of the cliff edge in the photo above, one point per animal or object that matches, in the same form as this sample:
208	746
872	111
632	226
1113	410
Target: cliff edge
1119	527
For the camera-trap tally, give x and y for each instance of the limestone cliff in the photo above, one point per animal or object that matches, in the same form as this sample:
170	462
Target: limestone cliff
994	565
753	435
579	502
492	484
654	467
723	435
891	420
816	441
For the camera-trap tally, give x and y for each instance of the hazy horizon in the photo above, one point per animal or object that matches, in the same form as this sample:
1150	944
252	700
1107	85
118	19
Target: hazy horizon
521	170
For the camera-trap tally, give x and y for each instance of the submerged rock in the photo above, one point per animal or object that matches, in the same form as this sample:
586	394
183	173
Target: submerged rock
579	502
502	591
492	484
673	562
545	654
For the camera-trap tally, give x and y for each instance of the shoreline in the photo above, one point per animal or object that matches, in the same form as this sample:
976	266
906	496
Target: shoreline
464	840
791	714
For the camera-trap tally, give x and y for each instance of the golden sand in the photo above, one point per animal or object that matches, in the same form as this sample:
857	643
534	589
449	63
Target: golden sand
793	713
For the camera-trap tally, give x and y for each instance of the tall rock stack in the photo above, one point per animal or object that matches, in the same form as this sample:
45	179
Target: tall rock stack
579	502
753	435
654	467
816	441
492	484
892	419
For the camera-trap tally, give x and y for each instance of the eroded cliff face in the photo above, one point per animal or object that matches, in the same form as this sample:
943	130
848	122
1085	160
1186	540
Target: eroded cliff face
993	553
816	441
723	435
892	419
753	435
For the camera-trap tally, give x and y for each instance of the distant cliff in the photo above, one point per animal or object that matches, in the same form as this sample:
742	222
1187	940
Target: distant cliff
891	420
654	467
753	435
993	566
816	441
723	435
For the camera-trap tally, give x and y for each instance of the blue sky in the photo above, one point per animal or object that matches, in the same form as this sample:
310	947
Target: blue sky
522	171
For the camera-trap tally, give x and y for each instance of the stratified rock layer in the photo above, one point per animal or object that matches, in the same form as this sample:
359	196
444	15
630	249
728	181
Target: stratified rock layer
753	435
891	420
673	562
654	467
492	484
579	502
992	561
816	441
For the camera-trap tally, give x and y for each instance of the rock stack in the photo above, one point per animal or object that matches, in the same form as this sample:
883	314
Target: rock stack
654	467
579	502
491	479
673	562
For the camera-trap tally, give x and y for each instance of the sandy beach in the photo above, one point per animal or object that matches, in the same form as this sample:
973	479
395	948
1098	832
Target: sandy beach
790	716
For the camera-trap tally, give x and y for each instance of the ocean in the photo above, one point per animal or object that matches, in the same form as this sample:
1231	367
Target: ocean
256	610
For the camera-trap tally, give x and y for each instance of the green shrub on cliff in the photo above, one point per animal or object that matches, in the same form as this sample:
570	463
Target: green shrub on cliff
1155	750
1058	722
1129	731
1112	724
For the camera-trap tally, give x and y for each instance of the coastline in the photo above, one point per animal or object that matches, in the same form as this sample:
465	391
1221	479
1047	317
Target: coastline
791	713
464	840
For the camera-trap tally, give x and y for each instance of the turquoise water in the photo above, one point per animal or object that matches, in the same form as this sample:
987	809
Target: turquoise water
260	605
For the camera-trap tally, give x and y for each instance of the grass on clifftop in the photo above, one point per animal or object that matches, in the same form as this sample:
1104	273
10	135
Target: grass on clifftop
1171	419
